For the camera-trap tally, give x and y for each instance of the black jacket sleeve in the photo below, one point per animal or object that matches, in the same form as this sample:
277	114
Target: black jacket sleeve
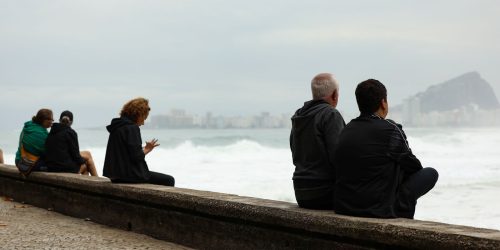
401	151
134	144
74	148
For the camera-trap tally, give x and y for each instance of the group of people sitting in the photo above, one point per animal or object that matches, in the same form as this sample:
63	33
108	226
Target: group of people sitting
58	150
365	168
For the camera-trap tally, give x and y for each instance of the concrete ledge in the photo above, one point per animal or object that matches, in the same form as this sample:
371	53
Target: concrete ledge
212	220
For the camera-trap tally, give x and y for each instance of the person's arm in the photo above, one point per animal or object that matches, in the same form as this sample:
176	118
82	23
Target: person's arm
334	124
134	143
401	150
74	148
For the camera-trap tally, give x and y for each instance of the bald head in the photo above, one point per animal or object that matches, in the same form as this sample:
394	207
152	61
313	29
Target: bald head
323	86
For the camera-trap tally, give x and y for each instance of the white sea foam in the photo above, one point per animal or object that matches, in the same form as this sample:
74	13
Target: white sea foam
469	183
244	168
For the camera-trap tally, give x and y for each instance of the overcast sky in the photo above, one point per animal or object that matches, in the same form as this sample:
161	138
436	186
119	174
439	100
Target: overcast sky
231	57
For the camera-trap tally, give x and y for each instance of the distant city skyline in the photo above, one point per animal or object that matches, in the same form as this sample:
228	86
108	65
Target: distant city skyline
179	118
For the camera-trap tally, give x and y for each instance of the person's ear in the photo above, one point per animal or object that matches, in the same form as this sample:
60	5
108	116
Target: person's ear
385	106
335	95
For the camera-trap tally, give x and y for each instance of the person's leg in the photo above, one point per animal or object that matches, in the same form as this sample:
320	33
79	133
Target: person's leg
314	194
161	179
421	182
1	156
83	170
89	162
413	188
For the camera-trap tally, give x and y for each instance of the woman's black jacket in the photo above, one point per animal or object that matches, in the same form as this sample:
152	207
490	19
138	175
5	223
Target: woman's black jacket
125	158
62	153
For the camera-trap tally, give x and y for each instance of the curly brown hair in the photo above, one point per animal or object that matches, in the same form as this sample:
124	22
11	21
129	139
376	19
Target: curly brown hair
135	109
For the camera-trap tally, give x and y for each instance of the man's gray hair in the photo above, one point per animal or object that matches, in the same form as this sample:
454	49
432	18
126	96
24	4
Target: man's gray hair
323	85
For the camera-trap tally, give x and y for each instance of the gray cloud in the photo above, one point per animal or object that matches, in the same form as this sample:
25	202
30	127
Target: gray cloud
232	57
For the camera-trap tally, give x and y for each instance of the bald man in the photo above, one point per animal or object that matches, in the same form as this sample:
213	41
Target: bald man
313	140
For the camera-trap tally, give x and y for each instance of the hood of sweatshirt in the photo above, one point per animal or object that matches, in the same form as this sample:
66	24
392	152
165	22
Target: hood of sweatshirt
31	127
118	123
305	115
58	127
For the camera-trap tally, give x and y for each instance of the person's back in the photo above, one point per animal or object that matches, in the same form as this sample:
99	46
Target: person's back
313	139
377	173
62	149
312	150
124	160
34	133
367	168
59	156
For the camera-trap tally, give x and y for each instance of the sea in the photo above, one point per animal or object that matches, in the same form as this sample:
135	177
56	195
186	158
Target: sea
258	163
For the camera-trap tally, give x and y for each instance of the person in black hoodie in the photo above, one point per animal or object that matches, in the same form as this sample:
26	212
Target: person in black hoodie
62	152
125	157
313	140
377	173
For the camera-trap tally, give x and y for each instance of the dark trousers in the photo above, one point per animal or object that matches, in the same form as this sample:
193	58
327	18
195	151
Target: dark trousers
413	188
314	194
161	179
154	178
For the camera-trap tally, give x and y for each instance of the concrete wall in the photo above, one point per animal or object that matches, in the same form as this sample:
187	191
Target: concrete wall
211	220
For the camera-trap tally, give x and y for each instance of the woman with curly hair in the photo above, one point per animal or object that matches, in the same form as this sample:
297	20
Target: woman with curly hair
125	157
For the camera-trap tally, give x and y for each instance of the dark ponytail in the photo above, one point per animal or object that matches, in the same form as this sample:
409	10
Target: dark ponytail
65	120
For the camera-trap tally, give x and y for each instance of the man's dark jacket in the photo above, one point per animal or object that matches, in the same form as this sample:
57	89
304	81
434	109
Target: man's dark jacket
372	160
313	140
125	159
62	153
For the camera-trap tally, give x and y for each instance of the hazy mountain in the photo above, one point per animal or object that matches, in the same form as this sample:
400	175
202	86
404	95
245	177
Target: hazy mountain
467	89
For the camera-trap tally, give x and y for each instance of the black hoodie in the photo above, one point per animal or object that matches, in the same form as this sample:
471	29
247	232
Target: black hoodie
62	153
125	159
313	140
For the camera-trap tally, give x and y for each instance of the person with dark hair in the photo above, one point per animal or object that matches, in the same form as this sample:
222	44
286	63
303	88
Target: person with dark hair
63	152
377	173
33	136
313	139
125	157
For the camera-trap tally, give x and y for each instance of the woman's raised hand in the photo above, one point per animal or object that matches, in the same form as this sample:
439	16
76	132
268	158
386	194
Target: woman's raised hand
150	145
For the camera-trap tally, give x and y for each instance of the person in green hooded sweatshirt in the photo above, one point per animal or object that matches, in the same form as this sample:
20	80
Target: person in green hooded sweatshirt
34	134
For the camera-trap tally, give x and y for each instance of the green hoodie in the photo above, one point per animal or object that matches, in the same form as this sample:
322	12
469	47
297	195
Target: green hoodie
33	139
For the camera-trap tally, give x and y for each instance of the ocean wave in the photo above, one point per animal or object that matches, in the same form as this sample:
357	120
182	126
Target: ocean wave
468	163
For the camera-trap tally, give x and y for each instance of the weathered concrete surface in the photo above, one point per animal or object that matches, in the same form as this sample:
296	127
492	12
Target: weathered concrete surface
23	226
213	220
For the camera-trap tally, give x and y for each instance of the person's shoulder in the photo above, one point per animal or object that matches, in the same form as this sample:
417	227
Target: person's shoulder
325	107
332	111
72	131
393	123
131	127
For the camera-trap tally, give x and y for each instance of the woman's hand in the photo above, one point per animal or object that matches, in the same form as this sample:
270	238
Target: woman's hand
150	145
